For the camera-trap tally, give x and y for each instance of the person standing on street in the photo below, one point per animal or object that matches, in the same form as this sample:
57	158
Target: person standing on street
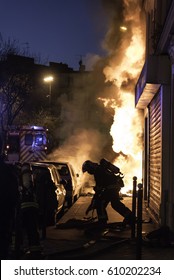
108	185
29	212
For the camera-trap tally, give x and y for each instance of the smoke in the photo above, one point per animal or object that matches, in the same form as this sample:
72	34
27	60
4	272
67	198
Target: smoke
85	123
89	114
91	60
80	146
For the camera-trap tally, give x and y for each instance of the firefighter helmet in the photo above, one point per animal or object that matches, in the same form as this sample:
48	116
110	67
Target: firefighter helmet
89	166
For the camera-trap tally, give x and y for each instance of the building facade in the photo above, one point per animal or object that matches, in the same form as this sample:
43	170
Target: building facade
35	97
154	94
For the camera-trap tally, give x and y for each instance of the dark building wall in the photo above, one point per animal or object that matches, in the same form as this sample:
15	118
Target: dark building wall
156	99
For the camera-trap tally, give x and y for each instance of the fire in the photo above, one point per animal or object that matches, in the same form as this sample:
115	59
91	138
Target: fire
121	68
127	127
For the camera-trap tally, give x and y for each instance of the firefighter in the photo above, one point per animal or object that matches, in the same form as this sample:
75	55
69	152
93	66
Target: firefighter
8	202
29	212
107	189
46	197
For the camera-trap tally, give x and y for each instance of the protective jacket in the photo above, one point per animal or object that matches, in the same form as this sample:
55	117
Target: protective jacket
107	190
29	209
106	179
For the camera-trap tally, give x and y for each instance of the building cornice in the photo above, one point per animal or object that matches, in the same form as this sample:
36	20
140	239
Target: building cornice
166	33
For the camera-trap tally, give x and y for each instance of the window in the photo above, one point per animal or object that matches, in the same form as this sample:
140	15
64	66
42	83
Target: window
28	139
13	143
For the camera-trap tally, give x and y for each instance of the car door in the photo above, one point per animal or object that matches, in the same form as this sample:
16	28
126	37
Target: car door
60	190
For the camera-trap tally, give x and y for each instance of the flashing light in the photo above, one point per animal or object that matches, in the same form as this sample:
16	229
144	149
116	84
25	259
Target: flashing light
32	127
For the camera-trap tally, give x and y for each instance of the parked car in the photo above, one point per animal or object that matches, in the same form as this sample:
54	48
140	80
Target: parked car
72	187
50	191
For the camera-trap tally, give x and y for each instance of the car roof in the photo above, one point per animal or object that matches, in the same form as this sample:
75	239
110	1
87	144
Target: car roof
48	165
59	162
41	164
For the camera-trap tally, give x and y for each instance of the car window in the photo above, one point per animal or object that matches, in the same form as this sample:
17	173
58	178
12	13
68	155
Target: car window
36	169
39	172
63	170
43	169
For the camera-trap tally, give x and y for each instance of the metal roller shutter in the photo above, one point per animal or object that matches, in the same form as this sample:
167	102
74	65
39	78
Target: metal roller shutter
155	111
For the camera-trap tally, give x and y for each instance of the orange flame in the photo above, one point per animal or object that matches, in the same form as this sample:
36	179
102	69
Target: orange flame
127	128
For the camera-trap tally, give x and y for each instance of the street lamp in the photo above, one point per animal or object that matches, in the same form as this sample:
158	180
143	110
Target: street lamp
123	28
49	80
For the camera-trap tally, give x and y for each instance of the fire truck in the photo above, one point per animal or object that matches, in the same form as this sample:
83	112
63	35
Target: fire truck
25	143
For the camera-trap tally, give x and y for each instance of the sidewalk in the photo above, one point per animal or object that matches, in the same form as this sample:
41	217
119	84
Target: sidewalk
77	237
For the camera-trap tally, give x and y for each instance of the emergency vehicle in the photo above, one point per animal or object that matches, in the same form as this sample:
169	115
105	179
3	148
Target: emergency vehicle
25	143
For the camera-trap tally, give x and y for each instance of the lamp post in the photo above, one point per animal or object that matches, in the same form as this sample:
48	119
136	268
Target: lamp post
49	80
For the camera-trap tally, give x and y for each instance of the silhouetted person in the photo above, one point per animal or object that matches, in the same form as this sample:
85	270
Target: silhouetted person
8	202
29	212
46	197
107	190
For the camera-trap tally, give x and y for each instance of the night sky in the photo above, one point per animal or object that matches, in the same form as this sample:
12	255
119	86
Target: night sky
55	30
